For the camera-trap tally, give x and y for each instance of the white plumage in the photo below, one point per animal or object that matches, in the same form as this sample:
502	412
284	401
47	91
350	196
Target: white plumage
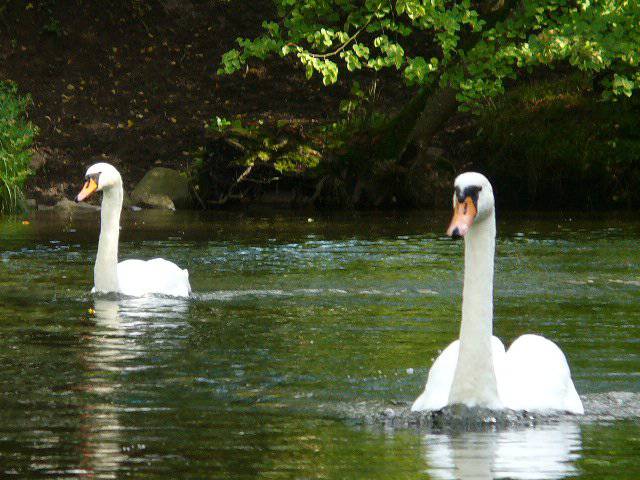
134	278
137	278
535	376
475	370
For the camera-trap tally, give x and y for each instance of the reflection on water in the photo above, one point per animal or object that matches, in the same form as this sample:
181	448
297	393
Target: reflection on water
100	428
111	346
547	452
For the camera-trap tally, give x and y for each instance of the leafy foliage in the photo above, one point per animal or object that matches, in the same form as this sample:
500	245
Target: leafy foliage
280	147
16	138
239	159
472	46
358	114
360	168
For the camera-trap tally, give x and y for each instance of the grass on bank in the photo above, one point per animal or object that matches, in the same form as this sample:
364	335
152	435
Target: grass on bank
16	140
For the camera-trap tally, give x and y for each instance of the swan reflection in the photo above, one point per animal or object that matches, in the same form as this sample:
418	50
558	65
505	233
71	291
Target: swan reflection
114	347
542	453
101	430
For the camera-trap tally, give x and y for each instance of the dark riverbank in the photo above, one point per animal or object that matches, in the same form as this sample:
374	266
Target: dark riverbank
135	85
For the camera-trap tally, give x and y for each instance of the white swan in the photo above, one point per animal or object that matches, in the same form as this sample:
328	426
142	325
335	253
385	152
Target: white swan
475	370
132	277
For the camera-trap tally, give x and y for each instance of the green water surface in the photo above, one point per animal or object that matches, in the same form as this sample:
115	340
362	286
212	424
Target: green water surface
290	321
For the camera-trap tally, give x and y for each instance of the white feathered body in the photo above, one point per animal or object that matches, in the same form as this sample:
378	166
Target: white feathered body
533	375
138	278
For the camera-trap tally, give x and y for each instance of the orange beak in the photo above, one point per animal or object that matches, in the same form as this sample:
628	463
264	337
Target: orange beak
89	188
464	213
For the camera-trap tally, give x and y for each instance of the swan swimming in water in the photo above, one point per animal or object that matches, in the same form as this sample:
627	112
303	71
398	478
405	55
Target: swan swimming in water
475	370
134	278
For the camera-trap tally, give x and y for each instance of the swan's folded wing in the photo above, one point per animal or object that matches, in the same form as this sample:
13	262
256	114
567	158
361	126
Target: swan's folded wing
536	377
436	392
159	276
132	278
169	278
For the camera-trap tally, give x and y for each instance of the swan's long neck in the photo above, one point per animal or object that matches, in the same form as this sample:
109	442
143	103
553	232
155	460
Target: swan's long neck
474	382
105	272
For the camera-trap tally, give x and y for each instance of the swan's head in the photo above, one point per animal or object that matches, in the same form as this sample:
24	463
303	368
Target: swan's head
472	203
99	176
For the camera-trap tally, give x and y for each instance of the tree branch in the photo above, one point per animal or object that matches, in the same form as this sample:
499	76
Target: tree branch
341	47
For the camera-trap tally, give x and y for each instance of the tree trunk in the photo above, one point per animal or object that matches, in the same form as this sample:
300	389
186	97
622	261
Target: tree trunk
441	104
439	107
417	123
384	162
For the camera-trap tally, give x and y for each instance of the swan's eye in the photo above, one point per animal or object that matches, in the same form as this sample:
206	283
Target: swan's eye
93	176
472	191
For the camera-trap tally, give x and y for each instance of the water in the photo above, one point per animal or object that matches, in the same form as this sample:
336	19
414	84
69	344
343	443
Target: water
292	323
